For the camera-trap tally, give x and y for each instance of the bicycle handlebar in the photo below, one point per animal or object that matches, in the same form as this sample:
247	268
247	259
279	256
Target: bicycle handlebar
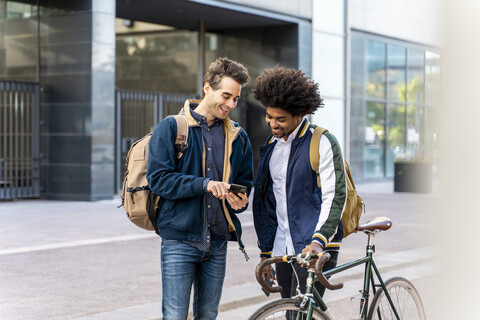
321	278
322	258
258	274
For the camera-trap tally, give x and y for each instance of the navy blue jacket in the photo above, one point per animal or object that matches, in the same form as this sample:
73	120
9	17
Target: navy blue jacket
179	183
304	197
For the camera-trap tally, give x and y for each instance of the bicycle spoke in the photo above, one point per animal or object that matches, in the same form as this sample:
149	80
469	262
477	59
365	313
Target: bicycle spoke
405	299
395	299
285	309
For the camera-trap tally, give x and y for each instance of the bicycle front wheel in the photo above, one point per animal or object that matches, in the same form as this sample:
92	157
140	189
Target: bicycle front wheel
405	298
286	309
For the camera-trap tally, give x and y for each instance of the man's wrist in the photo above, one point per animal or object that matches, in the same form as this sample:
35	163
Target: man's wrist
316	245
205	184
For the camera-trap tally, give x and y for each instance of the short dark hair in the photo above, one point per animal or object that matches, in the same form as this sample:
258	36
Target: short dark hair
287	89
224	67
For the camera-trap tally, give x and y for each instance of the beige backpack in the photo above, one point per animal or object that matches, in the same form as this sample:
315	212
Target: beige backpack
138	200
355	205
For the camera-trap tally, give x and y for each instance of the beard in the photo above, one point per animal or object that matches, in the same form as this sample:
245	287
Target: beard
278	132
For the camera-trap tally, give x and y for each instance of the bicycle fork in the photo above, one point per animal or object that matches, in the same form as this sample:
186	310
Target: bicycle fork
311	296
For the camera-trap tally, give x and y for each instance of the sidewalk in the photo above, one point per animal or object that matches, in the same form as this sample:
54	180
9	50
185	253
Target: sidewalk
31	227
240	301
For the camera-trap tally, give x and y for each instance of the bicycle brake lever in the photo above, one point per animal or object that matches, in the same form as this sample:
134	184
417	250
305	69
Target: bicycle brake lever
306	259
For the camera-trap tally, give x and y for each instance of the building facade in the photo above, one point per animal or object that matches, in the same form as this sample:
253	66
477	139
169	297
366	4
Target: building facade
83	79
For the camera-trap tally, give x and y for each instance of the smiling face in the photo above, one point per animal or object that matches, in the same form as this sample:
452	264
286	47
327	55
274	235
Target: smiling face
218	103
281	122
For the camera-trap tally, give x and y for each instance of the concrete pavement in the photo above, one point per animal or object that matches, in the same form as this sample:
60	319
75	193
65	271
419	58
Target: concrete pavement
37	227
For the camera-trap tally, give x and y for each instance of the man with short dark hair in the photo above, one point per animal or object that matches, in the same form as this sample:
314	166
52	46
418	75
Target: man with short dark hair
197	213
292	214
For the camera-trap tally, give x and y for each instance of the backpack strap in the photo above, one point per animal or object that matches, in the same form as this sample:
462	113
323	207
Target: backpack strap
182	135
349	176
152	202
314	152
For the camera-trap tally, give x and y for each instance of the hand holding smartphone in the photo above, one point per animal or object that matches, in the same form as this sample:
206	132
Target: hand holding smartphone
236	189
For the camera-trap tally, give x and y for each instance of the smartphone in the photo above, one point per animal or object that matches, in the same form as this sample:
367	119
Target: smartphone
267	280
236	188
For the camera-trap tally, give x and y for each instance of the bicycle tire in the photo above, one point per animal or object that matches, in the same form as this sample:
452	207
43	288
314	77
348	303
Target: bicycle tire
277	310
405	298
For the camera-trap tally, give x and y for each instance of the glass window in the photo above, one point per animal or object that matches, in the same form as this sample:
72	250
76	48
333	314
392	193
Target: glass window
18	41
165	61
432	77
397	109
375	64
415	76
374	140
432	92
18	10
396	73
395	135
414	122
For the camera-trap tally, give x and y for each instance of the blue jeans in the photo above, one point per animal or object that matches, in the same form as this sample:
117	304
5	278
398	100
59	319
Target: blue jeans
184	265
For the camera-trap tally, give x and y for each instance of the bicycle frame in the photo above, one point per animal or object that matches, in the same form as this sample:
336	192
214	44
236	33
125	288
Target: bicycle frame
368	279
312	303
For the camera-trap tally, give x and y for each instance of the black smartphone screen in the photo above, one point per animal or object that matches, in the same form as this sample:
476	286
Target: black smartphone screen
236	188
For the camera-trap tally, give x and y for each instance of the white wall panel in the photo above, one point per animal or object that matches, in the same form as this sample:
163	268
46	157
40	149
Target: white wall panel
416	21
328	63
328	16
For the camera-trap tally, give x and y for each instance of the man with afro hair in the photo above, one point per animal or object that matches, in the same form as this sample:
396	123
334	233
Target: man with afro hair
292	214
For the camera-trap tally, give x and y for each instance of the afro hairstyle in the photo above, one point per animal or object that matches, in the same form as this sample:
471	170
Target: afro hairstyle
287	89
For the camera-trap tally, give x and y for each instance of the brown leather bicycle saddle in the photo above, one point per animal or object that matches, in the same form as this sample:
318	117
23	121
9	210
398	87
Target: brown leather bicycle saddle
379	223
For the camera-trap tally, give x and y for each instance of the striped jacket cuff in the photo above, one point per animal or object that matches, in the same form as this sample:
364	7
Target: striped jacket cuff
332	246
267	254
327	246
319	238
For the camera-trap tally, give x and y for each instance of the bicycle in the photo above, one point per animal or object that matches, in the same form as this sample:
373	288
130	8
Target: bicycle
395	298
